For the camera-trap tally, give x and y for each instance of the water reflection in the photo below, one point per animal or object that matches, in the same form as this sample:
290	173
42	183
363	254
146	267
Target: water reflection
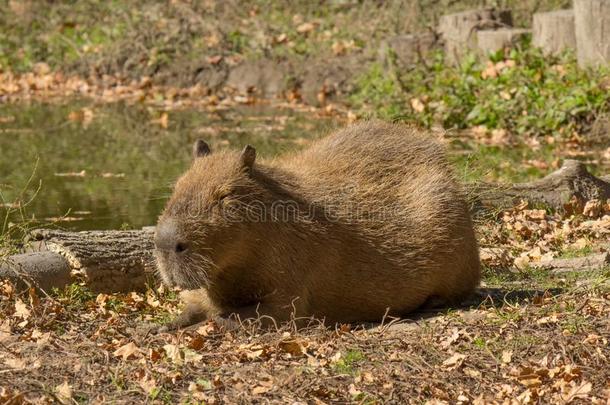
111	166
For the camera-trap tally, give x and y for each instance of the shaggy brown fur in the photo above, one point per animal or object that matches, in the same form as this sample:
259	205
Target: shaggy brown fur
371	219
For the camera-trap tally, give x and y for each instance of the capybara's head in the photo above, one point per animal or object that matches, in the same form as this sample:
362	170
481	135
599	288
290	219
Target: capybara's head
205	220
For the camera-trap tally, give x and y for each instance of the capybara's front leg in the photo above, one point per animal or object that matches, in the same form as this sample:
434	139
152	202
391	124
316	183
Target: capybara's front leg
198	308
264	314
191	315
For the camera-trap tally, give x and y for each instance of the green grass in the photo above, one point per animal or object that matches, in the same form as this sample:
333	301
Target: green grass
15	221
494	163
348	362
572	252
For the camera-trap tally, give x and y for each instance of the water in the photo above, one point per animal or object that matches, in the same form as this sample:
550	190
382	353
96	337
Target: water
88	166
111	166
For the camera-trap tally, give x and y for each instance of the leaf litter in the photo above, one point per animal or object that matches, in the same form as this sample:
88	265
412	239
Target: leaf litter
519	345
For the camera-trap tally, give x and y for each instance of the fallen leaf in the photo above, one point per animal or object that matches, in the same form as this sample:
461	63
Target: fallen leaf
64	392
21	309
417	105
305	28
173	353
127	351
15	363
455	361
579	391
148	384
292	347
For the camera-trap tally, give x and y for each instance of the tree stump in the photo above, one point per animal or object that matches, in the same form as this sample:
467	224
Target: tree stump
554	31
592	22
458	31
494	40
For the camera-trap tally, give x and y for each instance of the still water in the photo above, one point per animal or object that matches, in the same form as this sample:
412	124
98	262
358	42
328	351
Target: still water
86	166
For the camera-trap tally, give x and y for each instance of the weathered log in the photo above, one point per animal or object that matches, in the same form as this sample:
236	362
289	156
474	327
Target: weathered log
495	40
458	31
591	20
586	263
554	31
44	270
108	261
554	190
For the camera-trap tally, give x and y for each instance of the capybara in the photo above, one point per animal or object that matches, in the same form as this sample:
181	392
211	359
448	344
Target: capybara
366	222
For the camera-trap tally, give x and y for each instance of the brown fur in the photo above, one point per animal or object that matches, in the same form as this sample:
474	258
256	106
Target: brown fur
388	229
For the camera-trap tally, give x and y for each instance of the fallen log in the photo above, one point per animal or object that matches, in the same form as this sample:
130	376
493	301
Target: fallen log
121	261
107	261
571	183
586	263
44	270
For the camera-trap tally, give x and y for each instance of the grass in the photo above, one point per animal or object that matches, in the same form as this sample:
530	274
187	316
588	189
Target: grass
572	252
348	362
15	222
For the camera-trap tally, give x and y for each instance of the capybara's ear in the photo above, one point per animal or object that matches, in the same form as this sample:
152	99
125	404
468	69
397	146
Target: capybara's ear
248	156
200	149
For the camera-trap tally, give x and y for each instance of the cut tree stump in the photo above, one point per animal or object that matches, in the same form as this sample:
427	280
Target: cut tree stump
556	190
458	31
121	261
554	31
592	23
494	40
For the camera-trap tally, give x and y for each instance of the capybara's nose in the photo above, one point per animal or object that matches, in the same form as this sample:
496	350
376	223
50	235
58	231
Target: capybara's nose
167	238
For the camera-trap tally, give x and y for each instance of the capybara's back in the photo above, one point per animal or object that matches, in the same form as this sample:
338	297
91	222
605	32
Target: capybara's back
370	220
392	190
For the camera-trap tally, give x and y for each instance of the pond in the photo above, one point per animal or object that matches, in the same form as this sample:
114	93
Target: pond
82	165
86	166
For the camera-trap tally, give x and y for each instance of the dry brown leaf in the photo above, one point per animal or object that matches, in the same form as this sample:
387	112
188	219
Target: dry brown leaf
197	342
21	309
259	389
417	105
127	351
305	28
15	363
293	347
148	384
455	361
579	391
507	356
64	392
173	353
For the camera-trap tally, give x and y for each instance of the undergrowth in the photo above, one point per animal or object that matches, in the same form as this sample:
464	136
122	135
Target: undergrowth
518	90
15	222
